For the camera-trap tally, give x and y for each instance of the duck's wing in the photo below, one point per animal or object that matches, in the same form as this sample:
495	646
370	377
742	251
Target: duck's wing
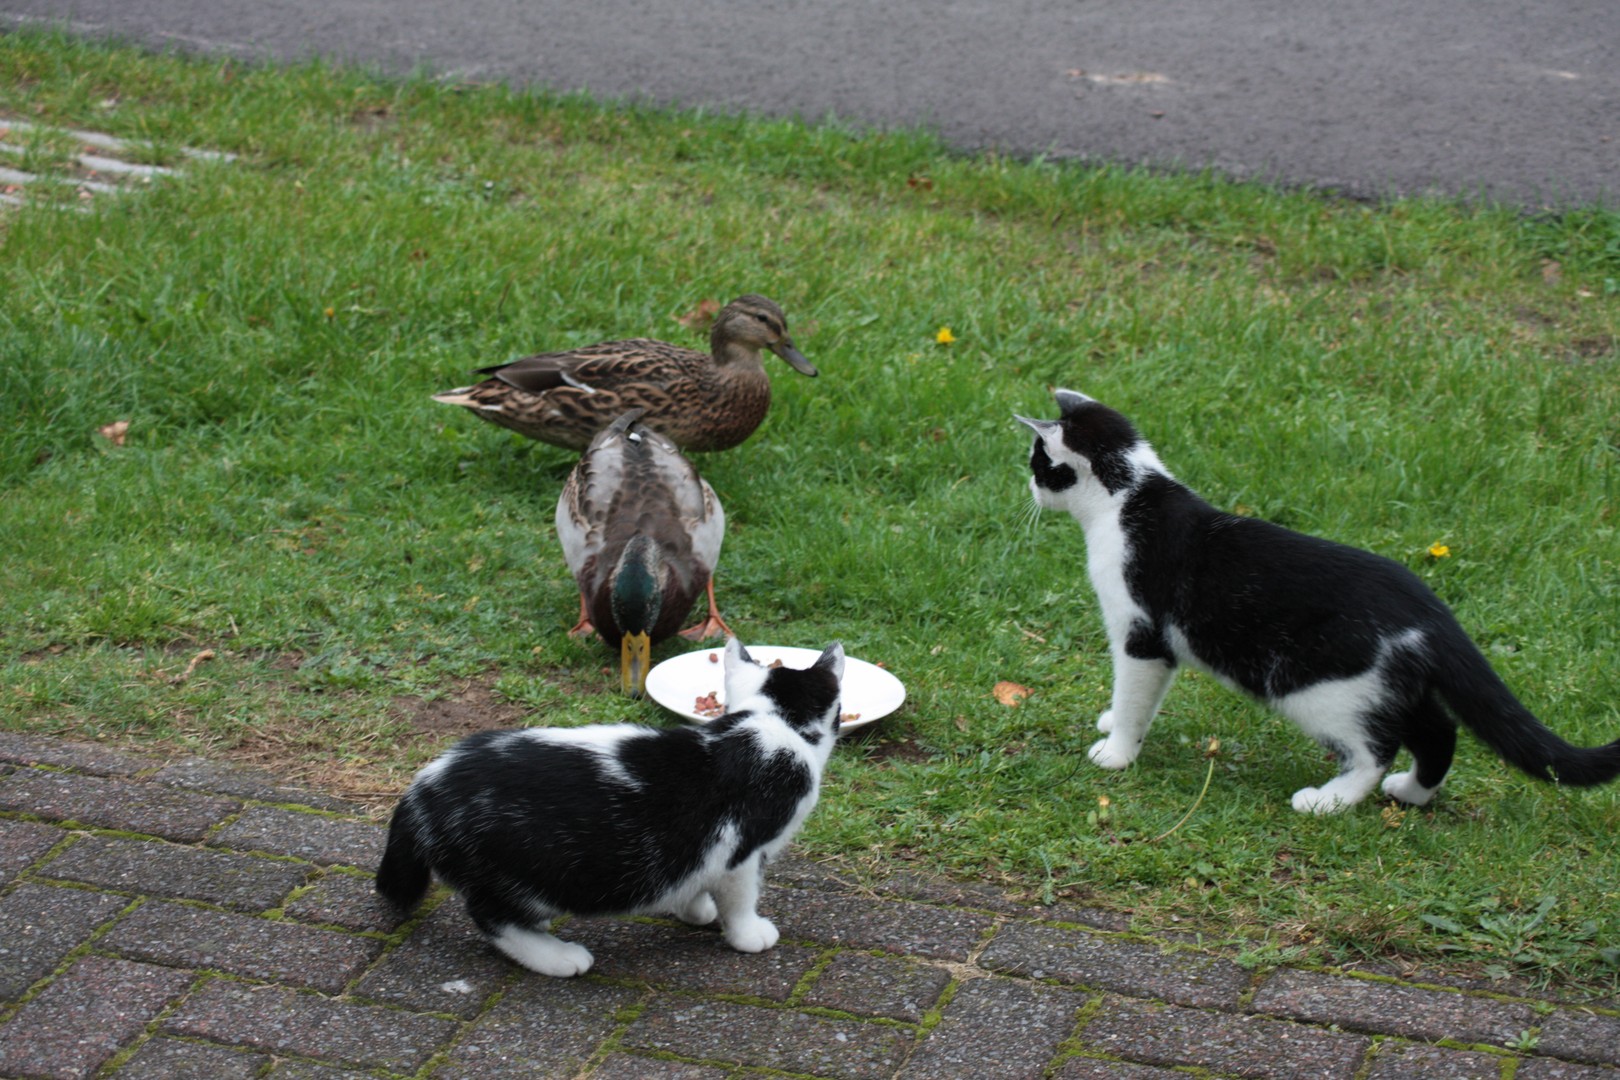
610	366
592	495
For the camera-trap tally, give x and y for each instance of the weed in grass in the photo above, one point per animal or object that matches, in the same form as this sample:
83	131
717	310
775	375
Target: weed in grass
377	574
1516	941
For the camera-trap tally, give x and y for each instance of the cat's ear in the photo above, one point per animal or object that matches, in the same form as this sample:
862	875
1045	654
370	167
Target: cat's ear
1070	400
735	653
832	659
1040	427
743	675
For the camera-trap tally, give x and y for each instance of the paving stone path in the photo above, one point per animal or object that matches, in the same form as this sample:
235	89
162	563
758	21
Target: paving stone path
97	164
176	920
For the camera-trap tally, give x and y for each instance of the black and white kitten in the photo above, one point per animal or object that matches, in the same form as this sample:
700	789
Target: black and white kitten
621	819
1351	646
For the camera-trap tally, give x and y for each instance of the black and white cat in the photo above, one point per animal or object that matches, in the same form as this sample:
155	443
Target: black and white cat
532	823
1351	646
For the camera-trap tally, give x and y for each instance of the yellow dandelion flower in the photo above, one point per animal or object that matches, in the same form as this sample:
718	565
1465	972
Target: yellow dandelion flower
944	337
1439	551
330	313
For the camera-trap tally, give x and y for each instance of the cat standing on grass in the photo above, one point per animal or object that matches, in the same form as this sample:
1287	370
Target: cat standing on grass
620	819
1351	646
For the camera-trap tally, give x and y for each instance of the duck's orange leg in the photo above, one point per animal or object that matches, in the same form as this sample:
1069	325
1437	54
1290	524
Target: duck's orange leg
713	626
583	628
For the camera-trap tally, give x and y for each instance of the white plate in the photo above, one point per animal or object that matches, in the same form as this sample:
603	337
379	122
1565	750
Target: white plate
678	682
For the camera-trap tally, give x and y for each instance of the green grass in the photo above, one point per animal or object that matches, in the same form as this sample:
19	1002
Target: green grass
363	560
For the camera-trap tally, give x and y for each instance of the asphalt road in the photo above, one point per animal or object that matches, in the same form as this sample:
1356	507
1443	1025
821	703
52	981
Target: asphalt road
1512	102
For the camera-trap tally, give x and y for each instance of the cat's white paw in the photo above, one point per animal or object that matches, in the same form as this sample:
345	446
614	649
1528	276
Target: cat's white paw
1105	722
700	912
1404	786
544	953
1318	801
1110	756
752	933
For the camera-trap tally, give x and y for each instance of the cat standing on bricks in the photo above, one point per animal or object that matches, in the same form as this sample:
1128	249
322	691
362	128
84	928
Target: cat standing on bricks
1351	646
620	819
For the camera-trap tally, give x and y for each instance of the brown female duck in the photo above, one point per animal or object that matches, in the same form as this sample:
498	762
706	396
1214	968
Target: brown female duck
641	532
700	401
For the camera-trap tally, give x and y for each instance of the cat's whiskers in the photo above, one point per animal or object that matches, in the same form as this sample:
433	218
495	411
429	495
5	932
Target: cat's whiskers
1029	515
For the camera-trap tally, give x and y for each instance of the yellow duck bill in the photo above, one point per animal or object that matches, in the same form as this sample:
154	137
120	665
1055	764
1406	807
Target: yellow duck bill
635	660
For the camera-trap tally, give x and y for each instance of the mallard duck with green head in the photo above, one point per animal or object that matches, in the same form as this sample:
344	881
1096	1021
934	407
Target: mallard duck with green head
641	532
700	401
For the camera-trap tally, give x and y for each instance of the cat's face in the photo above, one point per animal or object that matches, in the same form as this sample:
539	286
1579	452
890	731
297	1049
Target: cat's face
1088	451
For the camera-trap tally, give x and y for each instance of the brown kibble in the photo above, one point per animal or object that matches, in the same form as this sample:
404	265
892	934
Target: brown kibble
1010	693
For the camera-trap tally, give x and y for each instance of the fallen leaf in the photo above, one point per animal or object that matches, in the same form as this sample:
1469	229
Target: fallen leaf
1010	693
701	317
114	432
204	655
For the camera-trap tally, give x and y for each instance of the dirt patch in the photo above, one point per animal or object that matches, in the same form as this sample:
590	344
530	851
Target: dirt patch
360	784
885	750
1591	350
475	706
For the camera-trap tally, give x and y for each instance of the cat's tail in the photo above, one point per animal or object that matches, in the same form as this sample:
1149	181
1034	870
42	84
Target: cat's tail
1481	700
404	875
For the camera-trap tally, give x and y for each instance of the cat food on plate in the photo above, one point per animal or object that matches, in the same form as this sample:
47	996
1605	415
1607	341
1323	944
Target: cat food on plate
688	684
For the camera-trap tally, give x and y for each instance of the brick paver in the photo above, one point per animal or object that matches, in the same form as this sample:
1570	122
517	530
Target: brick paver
997	1027
316	837
1408	1062
201	938
40	925
183	921
285	1021
770	1038
174	870
1076	956
83	1018
165	1058
113	803
867	985
679	957
1389	1008
23	843
1258	1046
1582	1036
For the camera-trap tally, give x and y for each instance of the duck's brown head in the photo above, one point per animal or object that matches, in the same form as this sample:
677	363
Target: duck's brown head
755	323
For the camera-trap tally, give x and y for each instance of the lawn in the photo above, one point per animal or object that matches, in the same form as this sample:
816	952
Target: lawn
294	557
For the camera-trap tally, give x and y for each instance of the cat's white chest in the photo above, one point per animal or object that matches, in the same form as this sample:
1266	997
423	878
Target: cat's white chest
1108	552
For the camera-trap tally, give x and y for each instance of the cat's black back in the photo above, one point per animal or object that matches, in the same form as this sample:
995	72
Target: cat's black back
1271	609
